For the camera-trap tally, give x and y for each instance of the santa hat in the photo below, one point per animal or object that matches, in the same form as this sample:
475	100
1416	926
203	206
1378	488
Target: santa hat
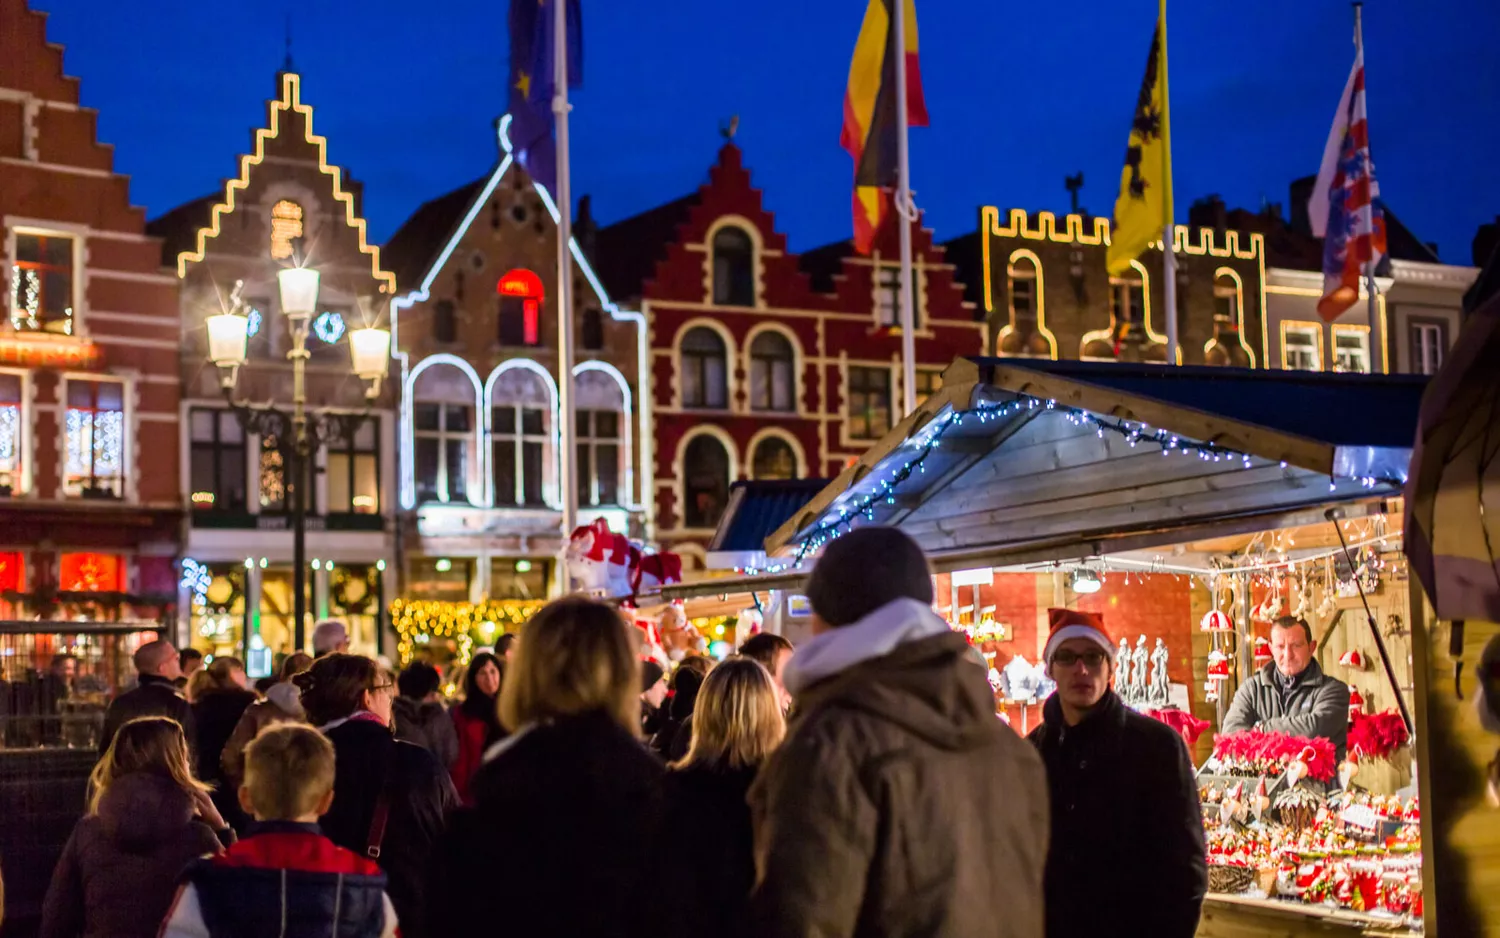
1070	623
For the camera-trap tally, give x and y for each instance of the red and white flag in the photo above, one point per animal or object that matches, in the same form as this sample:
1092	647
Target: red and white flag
1343	208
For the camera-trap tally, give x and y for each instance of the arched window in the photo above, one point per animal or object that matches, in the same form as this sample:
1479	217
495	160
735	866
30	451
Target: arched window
734	267
773	459
705	481
1127	300
704	373
600	407
520	320
520	428
1022	274
443	427
1226	301
771	382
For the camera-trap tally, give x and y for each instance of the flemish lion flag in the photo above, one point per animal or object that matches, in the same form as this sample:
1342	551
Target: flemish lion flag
1145	204
870	124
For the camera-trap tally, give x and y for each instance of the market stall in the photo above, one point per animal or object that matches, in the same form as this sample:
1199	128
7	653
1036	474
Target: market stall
1189	507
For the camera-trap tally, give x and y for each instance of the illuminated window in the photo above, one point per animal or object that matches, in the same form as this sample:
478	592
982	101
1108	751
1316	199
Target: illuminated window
286	228
1226	301
440	579
1429	340
734	267
216	460
929	382
888	298
598	457
705	472
1022	274
1351	350
353	471
525	578
869	402
42	283
772	386
1301	347
520	309
91	573
773	459
11	434
591	336
1127	300
95	439
444	322
443	432
704	374
272	474
518	449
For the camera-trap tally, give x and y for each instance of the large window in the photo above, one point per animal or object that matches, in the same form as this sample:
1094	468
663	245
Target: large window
598	457
1428	340
929	382
217	460
887	295
1351	350
1127	301
520	320
444	322
443	432
272	473
12	434
773	459
518	445
734	267
353	471
1022	277
705	472
869	402
704	375
42	283
1226	301
771	381
95	439
1301	346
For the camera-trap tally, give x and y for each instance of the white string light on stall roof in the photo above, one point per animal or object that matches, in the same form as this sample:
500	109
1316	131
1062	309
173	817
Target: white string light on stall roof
931	436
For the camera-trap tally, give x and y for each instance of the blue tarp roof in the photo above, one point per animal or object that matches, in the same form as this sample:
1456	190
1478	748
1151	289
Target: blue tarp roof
1337	409
757	508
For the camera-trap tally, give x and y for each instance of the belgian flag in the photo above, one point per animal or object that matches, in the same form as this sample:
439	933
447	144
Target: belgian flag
870	119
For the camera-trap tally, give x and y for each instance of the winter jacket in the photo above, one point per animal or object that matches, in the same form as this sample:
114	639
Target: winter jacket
673	736
421	796
120	866
285	879
475	735
707	855
153	697
216	713
560	839
1314	705
898	804
426	724
283	704
1127	855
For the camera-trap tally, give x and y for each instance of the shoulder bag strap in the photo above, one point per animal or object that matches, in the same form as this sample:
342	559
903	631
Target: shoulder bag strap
382	814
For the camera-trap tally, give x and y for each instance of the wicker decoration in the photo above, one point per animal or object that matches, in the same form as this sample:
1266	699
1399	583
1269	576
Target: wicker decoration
1229	879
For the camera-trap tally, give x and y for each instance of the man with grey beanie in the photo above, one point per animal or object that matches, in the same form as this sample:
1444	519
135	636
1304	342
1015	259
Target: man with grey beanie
899	805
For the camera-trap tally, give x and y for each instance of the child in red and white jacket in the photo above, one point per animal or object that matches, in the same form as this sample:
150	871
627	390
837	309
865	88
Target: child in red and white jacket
285	878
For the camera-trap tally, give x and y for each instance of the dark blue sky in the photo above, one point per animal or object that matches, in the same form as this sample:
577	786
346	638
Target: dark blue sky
1020	94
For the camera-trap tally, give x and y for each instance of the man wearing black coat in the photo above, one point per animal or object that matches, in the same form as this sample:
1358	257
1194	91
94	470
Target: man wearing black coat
1127	855
156	694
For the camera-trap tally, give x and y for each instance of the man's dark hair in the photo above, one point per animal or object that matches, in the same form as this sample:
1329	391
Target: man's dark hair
764	647
1292	622
865	569
503	643
186	655
418	680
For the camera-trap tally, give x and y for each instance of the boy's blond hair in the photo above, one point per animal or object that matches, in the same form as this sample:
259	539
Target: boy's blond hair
288	771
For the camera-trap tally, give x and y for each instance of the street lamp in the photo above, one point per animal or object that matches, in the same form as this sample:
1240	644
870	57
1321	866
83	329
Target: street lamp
369	352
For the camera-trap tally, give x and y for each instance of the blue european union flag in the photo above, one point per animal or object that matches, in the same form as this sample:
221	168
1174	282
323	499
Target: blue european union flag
532	64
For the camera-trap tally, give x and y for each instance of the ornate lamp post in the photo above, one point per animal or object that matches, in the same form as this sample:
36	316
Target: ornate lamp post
369	350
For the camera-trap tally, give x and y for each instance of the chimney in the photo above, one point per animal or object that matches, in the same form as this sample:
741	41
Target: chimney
1209	212
1486	241
1302	190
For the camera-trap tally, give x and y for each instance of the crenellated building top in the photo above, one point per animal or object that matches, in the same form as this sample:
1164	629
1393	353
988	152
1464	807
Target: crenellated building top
1094	230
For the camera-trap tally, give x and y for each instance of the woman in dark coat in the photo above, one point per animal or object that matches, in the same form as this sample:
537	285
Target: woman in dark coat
707	853
216	712
476	720
348	698
561	838
148	819
674	734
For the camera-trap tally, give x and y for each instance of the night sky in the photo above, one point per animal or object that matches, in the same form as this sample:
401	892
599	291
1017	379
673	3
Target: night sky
1020	94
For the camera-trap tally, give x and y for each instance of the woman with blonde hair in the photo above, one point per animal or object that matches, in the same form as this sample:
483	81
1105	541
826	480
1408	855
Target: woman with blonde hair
148	817
567	807
708	852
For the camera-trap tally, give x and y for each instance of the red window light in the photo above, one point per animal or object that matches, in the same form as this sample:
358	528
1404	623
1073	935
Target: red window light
525	286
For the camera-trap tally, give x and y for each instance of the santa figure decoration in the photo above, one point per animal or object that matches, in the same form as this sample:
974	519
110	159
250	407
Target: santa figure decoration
1262	652
1356	703
601	561
1218	666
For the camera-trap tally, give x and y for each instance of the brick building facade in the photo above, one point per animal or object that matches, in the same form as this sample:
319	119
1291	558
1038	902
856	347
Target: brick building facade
89	497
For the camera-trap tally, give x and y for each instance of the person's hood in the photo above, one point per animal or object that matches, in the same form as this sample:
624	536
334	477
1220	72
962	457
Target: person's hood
684	699
417	712
142	809
910	669
287	698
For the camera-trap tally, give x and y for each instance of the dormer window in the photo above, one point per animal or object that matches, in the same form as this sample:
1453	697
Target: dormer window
733	267
520	309
42	284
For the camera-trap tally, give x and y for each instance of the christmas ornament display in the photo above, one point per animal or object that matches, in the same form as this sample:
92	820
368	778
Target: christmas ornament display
1216	621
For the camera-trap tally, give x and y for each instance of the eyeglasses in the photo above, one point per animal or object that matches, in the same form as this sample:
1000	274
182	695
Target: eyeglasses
1092	660
390	686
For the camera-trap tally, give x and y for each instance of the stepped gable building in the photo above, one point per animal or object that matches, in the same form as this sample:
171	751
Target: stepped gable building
765	365
476	339
285	204
90	507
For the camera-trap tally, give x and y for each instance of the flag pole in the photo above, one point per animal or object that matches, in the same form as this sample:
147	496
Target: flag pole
567	468
906	213
1369	264
1169	229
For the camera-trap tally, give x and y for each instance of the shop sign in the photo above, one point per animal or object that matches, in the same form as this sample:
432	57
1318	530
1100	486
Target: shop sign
42	351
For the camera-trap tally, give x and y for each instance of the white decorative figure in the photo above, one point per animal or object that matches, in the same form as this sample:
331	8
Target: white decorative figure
1160	689
1140	663
1122	667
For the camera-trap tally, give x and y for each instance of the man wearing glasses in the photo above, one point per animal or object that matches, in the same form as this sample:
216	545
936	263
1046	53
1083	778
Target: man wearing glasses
1127	854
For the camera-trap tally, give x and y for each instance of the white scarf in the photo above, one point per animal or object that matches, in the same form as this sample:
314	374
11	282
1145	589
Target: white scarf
881	632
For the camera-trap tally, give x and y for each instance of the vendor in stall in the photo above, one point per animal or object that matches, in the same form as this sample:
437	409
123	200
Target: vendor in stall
1292	695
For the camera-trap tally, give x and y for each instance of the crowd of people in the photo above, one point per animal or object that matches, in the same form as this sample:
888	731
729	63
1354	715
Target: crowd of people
860	784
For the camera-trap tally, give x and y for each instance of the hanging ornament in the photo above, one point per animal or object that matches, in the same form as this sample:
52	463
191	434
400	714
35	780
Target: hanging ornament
1269	610
1356	703
1218	666
1211	691
1262	652
1216	621
1353	659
